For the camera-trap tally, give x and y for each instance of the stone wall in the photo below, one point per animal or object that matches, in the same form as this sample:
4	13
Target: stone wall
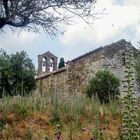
74	77
54	81
84	69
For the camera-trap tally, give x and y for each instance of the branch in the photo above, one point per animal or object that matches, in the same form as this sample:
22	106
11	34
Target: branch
5	4
2	22
32	14
23	23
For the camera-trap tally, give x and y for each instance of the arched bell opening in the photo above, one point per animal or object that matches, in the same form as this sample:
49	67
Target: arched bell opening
47	62
44	64
51	64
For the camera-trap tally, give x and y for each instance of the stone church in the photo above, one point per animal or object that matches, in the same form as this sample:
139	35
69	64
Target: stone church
74	77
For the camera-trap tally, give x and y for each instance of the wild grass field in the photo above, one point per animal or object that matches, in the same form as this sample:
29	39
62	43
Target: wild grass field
59	117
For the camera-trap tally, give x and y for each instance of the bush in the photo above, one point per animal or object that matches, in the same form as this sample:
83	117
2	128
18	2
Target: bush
61	63
105	85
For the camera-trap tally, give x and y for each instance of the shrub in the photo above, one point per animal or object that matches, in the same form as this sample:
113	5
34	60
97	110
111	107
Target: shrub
105	85
61	63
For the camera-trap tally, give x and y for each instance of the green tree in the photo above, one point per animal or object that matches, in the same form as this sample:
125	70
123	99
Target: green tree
105	85
48	14
17	74
61	63
5	73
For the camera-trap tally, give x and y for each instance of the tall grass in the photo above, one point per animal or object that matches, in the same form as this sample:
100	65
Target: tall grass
72	112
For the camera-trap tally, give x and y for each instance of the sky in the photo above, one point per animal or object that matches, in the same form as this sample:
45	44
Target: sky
121	20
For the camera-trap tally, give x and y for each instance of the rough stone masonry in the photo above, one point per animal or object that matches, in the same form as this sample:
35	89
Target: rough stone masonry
74	77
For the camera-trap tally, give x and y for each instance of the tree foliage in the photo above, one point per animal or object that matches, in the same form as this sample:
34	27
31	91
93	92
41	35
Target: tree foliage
61	63
45	13
105	85
17	74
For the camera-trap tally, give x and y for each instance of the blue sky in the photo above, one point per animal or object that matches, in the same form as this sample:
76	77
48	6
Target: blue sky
121	20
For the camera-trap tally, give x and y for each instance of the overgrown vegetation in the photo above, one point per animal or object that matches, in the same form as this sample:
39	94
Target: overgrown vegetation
78	117
68	117
75	117
137	68
17	74
130	128
105	85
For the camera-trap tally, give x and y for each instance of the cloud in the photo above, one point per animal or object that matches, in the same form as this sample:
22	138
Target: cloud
120	20
17	41
119	17
13	42
135	3
78	33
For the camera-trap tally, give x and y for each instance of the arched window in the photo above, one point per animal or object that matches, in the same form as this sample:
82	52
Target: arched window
51	64
44	64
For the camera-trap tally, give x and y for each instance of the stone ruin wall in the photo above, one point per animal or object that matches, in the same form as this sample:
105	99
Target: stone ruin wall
74	77
84	69
81	72
54	82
